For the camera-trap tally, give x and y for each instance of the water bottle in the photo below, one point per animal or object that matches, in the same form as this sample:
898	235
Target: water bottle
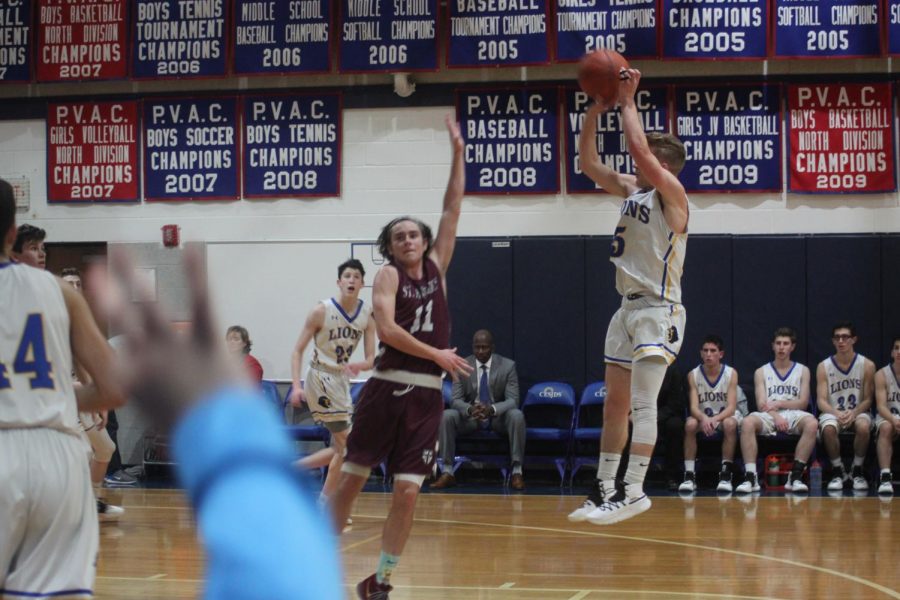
772	472
815	476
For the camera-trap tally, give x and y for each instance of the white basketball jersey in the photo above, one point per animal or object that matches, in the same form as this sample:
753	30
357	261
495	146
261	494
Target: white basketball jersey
339	335
712	395
648	255
845	388
783	388
35	352
893	390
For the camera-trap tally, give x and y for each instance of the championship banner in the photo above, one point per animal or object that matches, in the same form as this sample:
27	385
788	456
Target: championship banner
582	26
486	33
191	149
292	145
385	36
828	28
92	152
892	26
653	109
81	40
732	135
512	140
179	38
841	138
15	41
282	37
711	29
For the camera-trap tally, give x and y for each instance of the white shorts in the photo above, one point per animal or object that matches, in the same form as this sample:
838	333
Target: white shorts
829	420
793	418
101	444
642	328
48	515
328	396
879	421
737	416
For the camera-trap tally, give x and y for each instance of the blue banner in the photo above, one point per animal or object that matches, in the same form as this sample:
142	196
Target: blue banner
282	37
653	109
893	27
191	149
808	28
388	35
179	38
586	25
713	29
15	40
732	136
292	145
512	140
497	33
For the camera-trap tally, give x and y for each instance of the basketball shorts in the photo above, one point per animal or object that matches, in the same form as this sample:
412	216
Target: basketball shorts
642	328
397	422
737	416
793	418
48	516
879	421
829	420
328	396
98	438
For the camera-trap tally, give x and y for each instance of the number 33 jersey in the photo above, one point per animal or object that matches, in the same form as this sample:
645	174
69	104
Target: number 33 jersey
339	335
35	354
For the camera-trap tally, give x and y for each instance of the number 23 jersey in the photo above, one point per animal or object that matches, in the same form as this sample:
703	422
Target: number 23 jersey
339	335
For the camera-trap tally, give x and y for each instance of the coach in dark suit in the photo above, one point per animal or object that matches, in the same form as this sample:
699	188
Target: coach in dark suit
491	406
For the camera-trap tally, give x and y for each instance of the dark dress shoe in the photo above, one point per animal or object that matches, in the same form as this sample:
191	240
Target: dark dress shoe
446	480
517	482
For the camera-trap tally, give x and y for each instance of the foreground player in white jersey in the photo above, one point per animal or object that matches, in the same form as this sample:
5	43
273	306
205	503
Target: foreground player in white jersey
844	388
712	393
782	392
887	422
336	326
48	518
645	334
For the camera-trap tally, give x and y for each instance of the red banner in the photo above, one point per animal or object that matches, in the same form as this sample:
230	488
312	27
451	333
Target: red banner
81	40
841	138
92	152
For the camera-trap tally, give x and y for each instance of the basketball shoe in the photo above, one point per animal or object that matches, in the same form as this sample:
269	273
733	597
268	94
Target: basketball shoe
370	589
595	498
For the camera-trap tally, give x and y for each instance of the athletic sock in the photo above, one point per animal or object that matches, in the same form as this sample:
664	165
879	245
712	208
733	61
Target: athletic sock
858	461
386	565
750	467
689	465
636	472
609	464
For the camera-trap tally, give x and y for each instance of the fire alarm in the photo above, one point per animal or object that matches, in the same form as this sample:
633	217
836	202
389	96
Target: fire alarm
170	236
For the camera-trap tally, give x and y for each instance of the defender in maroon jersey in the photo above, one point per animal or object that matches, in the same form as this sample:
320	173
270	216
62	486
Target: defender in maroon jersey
400	407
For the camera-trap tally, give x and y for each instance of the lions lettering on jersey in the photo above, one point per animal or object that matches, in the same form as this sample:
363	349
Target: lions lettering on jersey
783	388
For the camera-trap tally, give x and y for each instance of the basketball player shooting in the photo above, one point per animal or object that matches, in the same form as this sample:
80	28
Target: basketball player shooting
645	334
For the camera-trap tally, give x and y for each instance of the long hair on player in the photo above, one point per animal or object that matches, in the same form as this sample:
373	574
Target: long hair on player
384	238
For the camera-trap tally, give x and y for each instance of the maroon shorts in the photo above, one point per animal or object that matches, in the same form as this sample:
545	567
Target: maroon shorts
396	422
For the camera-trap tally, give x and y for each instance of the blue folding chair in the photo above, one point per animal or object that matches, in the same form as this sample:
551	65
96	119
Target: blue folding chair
588	427
270	391
549	410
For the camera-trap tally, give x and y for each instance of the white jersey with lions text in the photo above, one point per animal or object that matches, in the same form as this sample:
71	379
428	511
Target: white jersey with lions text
712	395
783	388
648	255
845	388
339	335
35	354
893	390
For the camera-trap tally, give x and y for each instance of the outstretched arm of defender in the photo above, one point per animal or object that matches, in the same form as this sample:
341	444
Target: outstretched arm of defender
445	240
314	321
613	182
384	295
672	192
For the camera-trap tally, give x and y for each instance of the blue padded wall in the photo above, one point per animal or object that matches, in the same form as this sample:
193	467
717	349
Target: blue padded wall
548	310
890	296
479	289
843	275
601	301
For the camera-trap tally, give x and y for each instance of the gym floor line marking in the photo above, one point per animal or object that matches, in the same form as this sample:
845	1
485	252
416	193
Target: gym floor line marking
580	593
793	563
507	585
369	539
158	576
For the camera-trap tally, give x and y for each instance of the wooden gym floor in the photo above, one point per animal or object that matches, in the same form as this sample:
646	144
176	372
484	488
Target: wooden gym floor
505	547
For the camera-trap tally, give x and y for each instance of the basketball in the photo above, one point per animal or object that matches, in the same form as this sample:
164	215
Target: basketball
598	74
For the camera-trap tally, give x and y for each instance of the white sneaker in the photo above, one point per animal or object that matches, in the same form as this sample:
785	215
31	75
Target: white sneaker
885	485
108	512
837	482
859	480
595	498
750	484
796	485
724	486
689	484
618	508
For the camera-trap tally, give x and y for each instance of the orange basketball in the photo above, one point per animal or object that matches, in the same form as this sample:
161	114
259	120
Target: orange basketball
598	74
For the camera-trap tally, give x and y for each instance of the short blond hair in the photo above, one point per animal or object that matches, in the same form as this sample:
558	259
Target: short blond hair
668	148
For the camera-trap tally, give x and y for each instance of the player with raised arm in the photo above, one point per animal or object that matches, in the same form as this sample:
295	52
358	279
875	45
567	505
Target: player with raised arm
645	334
401	406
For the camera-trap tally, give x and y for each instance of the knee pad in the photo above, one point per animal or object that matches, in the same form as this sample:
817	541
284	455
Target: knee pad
647	376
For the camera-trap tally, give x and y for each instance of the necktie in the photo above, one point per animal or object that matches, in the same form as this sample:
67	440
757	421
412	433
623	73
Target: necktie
484	394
